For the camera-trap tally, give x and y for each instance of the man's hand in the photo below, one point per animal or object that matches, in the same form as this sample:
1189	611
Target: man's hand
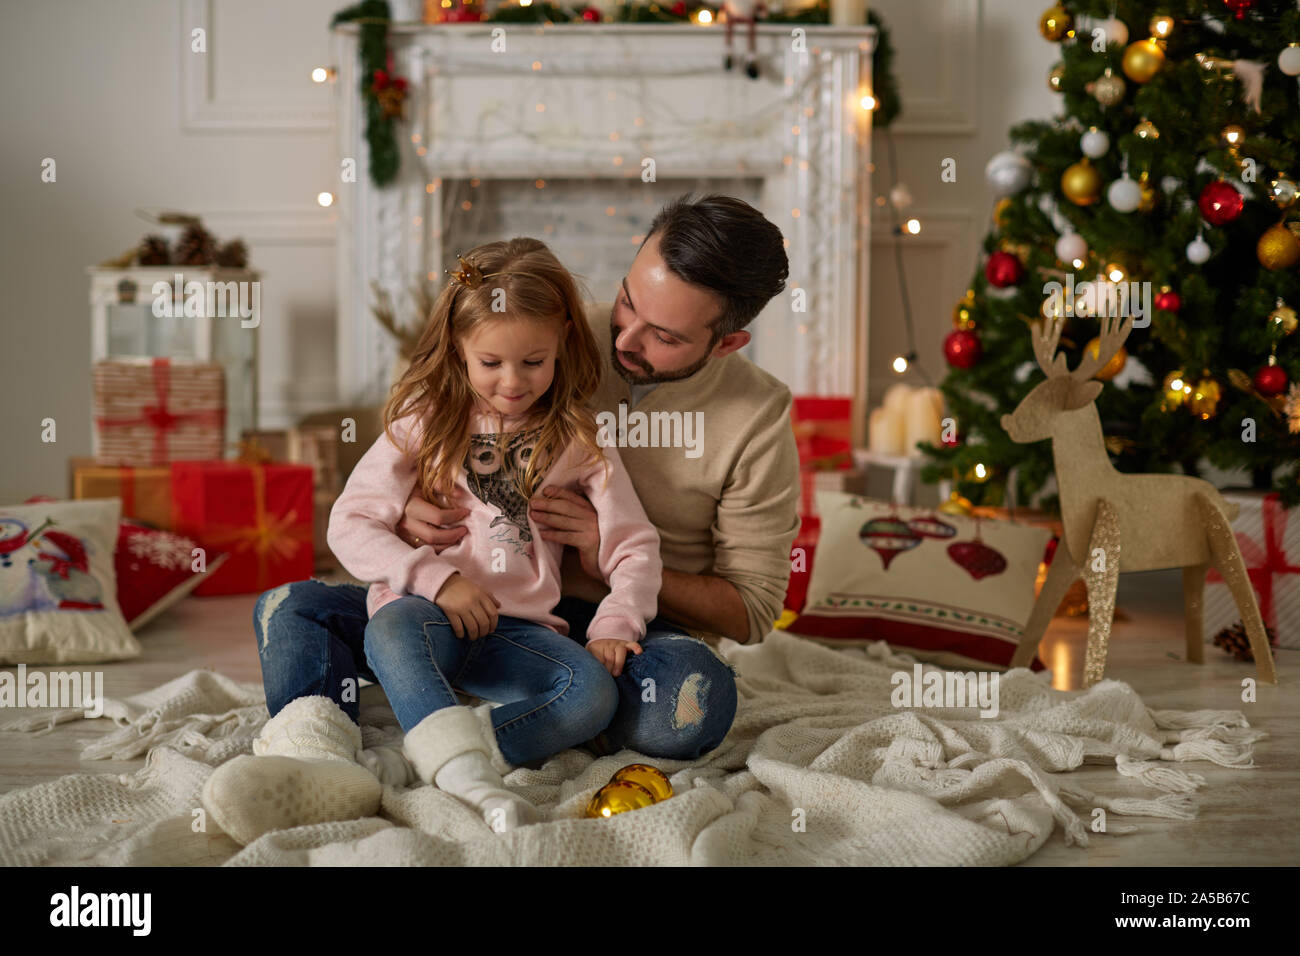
424	523
612	652
471	610
568	517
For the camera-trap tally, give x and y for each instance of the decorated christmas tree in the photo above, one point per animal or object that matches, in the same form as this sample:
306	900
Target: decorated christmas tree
1165	190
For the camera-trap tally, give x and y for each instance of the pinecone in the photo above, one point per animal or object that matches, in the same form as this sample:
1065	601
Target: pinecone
196	247
1235	641
153	251
233	255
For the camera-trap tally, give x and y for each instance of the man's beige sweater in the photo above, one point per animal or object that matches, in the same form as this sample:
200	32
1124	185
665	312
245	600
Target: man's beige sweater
725	499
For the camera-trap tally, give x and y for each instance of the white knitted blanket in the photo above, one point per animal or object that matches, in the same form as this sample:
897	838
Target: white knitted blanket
819	768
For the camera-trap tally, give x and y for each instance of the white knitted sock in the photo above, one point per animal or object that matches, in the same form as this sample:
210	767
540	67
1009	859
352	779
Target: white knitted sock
304	771
449	749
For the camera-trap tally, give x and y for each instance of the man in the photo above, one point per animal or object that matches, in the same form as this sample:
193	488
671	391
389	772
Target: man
705	436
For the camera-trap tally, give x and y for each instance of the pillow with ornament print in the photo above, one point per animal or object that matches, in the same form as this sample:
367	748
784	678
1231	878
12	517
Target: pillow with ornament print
952	590
156	569
58	585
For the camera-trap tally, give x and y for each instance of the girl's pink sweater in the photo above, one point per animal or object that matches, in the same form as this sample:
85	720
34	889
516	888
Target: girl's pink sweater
502	551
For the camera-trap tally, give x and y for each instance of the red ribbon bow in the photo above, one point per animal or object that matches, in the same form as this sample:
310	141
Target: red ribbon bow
160	418
1263	564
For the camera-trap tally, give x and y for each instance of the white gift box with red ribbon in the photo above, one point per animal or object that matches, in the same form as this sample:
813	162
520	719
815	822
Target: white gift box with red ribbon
1268	535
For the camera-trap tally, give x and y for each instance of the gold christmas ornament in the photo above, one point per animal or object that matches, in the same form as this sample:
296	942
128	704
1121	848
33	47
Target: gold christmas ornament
1149	195
1111	368
1143	60
1107	89
1282	190
1204	400
1278	248
1283	317
619	796
652	778
1176	390
1055	24
1146	129
1055	77
956	505
1081	183
1000	211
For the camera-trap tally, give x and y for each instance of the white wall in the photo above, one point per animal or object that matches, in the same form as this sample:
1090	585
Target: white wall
241	136
101	87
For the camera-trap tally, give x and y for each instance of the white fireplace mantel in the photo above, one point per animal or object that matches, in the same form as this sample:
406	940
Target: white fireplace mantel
595	102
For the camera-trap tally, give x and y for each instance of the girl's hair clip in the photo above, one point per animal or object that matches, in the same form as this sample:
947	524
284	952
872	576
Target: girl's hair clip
468	275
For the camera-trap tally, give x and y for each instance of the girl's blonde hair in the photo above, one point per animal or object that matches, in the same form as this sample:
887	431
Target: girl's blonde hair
436	386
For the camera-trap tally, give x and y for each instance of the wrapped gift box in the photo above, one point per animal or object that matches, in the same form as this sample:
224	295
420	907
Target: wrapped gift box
822	431
1269	538
146	493
317	447
260	514
150	411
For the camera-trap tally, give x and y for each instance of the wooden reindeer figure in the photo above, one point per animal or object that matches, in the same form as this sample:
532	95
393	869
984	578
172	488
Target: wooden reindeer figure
1115	522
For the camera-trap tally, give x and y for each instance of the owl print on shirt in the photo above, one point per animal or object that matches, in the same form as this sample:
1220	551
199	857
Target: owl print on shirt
494	473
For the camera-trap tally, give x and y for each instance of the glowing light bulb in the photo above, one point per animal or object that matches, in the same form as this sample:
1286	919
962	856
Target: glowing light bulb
704	18
320	75
913	226
868	102
980	471
900	365
325	199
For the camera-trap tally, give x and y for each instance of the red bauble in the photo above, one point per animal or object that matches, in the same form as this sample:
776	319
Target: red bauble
679	8
1169	301
1271	380
1003	269
1239	8
380	81
962	348
591	15
1220	203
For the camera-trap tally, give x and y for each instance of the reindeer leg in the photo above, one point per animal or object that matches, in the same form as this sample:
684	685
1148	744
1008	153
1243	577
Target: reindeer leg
1227	558
1102	585
1193	592
1061	573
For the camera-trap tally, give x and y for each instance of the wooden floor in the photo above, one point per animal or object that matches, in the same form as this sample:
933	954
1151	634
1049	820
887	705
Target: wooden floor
1247	817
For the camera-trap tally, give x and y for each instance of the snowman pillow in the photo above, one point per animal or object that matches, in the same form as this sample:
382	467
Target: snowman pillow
949	589
58	586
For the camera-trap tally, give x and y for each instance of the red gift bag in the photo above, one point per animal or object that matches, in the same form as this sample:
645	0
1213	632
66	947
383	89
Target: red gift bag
260	514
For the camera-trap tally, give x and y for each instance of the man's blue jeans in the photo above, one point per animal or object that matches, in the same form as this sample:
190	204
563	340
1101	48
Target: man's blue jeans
676	700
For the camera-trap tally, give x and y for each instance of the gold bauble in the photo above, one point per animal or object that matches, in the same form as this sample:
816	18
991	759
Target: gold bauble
1143	60
652	778
956	505
1111	368
1149	195
1204	400
1146	130
1107	89
1278	248
1176	390
1000	212
963	316
1283	317
1282	191
1081	183
1056	77
619	796
1055	24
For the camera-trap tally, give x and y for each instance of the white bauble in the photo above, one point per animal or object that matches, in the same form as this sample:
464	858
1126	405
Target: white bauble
1007	173
1116	31
1288	61
1094	144
1198	251
1124	194
1071	246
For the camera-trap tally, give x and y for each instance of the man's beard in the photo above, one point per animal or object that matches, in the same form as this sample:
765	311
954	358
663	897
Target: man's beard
647	375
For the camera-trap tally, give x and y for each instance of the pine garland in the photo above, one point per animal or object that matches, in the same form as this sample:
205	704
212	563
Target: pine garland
381	134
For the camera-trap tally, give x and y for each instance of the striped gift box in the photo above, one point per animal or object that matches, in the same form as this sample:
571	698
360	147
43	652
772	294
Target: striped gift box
1269	538
150	411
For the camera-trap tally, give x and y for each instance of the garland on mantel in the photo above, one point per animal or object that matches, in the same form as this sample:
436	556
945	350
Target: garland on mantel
383	92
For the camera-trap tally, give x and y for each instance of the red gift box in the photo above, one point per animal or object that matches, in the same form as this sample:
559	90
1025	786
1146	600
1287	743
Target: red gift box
1269	540
822	432
260	514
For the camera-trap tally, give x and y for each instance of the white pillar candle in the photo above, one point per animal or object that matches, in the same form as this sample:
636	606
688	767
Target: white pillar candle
896	397
848	13
883	436
922	422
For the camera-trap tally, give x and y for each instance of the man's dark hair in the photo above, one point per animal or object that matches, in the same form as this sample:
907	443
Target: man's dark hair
725	245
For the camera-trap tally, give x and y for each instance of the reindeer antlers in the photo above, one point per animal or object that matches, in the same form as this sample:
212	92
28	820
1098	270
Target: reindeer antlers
1114	330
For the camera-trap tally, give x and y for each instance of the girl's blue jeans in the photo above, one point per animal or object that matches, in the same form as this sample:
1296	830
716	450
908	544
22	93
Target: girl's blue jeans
675	700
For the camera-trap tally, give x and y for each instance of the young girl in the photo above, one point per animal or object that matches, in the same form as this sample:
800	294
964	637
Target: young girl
491	409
